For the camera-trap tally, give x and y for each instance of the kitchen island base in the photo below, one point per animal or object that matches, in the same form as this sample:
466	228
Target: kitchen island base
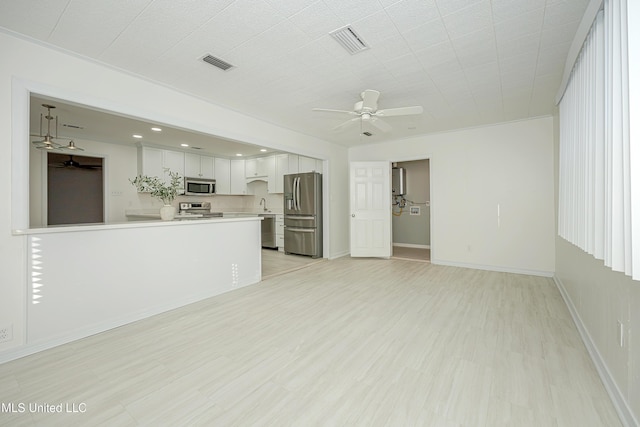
85	280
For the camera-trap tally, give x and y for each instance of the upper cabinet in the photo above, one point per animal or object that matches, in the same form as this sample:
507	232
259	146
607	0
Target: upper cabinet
276	185
197	166
157	162
223	175
232	175
238	180
308	164
260	168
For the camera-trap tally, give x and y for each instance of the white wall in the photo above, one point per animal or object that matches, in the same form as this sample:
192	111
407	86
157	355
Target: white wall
472	172
600	300
78	80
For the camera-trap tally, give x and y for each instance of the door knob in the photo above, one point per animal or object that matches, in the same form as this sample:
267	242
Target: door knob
353	215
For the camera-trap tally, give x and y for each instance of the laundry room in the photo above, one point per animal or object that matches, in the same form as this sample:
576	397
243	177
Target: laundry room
411	213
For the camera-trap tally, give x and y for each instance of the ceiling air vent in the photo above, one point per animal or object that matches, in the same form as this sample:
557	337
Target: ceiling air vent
217	62
367	133
349	39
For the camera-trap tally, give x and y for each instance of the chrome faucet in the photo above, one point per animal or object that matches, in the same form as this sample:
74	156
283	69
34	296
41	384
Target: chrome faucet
265	204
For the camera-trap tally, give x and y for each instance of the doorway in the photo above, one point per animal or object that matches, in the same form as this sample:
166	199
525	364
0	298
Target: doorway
411	210
75	189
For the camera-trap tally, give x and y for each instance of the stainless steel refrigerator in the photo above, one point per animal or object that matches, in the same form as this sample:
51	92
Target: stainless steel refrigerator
303	214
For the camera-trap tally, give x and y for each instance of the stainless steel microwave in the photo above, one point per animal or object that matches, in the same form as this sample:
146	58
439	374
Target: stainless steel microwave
199	186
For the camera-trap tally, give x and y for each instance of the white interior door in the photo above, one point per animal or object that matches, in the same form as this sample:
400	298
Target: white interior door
370	193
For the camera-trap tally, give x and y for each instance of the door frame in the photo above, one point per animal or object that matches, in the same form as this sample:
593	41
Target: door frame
44	165
429	157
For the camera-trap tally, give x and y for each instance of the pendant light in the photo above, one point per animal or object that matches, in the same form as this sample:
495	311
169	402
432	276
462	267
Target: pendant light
72	146
47	142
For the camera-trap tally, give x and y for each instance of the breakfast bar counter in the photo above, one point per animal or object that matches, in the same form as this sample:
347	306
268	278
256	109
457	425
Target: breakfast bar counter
85	279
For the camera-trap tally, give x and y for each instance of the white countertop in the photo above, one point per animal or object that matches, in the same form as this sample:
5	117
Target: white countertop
152	222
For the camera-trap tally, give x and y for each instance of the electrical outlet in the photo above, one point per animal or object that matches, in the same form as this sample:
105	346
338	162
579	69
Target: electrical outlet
6	333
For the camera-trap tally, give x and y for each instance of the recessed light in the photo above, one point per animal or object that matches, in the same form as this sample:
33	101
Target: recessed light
137	136
238	155
156	129
184	145
264	150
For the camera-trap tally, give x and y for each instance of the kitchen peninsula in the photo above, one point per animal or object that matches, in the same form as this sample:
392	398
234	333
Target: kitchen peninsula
90	278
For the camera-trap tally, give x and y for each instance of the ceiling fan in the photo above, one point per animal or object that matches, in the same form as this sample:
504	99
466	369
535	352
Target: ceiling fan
72	164
367	112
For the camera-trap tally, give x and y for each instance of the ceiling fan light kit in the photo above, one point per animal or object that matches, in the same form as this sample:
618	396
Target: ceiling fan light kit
367	112
47	142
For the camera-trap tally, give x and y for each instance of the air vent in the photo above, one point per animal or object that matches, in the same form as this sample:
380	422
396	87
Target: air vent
367	133
217	62
349	39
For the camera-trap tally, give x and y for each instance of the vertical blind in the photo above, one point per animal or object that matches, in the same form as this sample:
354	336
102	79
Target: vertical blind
595	194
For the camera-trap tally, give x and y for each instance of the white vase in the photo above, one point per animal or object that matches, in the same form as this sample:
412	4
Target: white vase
167	212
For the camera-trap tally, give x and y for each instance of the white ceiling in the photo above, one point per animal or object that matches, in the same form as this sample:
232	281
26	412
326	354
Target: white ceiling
467	62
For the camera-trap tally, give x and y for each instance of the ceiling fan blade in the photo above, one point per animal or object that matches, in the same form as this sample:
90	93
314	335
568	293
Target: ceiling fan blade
370	100
402	111
380	124
328	110
345	124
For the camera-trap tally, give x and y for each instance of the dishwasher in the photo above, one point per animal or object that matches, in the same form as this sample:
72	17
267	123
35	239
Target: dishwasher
268	231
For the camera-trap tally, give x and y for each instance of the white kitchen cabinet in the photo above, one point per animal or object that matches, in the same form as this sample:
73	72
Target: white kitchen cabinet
174	161
222	175
270	165
292	163
150	161
250	168
280	232
276	185
197	166
238	180
157	162
308	164
257	167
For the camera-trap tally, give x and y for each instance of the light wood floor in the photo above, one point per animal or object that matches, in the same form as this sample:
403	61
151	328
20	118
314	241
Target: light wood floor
275	262
413	254
348	342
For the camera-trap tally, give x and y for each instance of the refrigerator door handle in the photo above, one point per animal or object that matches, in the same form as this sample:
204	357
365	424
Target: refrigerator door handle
307	218
293	193
298	193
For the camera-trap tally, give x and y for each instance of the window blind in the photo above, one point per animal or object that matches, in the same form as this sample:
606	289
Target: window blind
595	193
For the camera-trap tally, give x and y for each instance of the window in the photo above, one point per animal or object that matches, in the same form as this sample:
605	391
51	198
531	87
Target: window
597	143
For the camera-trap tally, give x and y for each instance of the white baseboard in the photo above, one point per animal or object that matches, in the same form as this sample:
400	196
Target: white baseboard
494	268
622	408
410	245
